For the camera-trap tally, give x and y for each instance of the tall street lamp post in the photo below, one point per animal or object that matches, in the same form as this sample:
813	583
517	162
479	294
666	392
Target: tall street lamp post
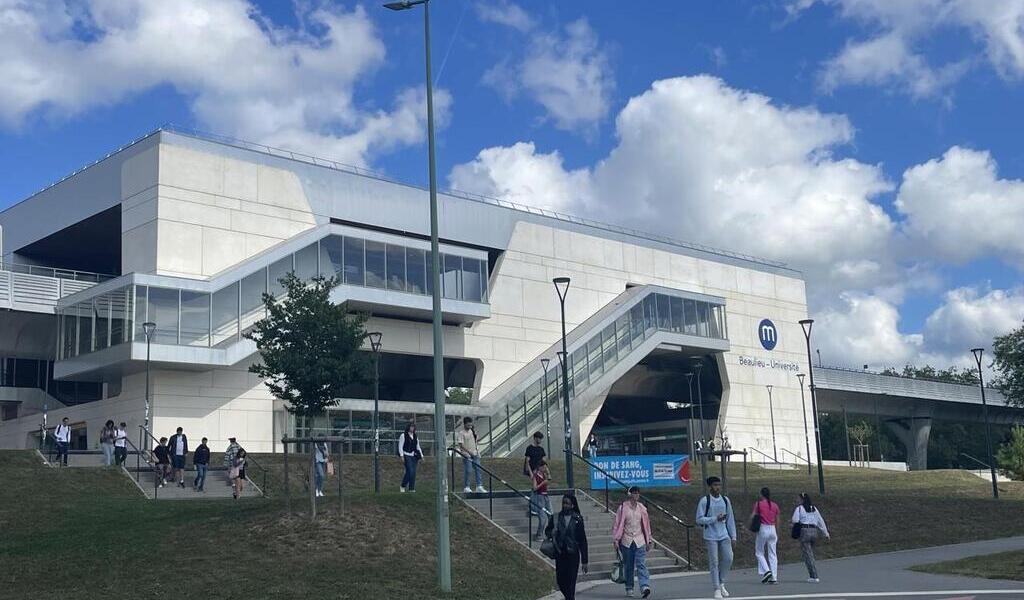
148	328
544	362
444	551
806	325
771	414
375	338
803	405
988	426
562	288
693	446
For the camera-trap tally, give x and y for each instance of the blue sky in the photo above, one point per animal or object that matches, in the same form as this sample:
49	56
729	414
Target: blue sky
873	145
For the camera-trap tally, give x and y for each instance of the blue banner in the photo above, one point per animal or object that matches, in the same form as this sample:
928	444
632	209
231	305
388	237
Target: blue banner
662	470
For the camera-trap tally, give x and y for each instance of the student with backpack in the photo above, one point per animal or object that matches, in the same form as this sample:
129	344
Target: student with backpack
807	525
63	436
715	515
762	521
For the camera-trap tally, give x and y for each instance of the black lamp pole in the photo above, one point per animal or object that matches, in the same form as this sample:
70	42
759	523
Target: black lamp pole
803	404
988	426
544	362
689	386
562	288
375	338
148	328
771	414
806	325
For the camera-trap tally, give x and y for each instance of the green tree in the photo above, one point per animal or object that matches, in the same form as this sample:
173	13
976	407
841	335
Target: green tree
310	348
861	432
459	395
1011	454
949	375
1009	365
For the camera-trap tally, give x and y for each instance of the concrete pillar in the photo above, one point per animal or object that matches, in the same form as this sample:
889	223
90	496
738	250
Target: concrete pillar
913	433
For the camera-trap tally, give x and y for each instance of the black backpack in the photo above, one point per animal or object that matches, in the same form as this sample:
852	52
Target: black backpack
707	504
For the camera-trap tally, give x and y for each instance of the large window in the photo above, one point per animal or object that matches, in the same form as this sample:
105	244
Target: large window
305	262
396	267
375	264
451	276
355	268
253	287
416	271
225	314
163	311
471	280
276	272
195	318
331	257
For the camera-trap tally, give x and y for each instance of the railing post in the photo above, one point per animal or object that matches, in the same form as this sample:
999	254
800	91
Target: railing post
287	489
745	489
529	527
689	555
490	495
606	505
451	464
526	433
508	428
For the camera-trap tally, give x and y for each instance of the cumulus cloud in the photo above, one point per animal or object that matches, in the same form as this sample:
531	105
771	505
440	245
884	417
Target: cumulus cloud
504	13
567	72
959	209
864	330
892	53
240	73
970	317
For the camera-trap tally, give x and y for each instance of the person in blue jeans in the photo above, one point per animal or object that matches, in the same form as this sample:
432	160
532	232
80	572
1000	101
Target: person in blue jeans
715	516
411	452
467	447
201	460
633	539
320	458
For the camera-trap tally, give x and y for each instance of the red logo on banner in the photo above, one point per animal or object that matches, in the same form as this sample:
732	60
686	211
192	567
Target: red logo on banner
684	471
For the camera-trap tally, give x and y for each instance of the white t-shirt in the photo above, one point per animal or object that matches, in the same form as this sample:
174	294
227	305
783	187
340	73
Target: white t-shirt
62	433
179	446
120	437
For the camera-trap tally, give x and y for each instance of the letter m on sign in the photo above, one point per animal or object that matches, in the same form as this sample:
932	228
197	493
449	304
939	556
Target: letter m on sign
767	334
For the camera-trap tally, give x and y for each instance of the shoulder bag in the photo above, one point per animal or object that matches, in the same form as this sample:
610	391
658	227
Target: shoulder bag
797	528
547	548
330	468
618	576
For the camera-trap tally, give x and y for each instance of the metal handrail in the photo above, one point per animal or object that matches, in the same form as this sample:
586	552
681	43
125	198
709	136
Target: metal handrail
770	459
795	455
982	463
249	460
56	272
158	474
139	457
452	450
647	501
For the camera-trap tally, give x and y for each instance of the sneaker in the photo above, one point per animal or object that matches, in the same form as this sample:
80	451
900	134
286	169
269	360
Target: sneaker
767	577
629	593
646	592
725	592
481	489
467	490
181	484
813	580
402	489
718	594
773	581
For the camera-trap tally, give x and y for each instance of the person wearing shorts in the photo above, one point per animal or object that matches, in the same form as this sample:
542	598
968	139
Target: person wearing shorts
178	447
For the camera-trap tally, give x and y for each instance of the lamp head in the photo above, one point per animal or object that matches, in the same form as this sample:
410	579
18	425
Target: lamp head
398	5
544	362
561	357
375	338
561	286
806	324
801	376
978	352
769	388
148	328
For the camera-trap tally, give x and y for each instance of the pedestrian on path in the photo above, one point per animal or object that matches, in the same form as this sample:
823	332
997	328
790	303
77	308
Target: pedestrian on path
63	436
320	457
107	443
592	446
237	473
567	531
715	515
163	460
764	516
121	444
411	452
811	524
539	498
633	539
201	460
179	453
229	458
534	454
467	446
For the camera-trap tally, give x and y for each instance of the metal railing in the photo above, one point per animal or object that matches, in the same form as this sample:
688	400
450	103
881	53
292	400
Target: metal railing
800	459
55	272
767	459
146	439
647	502
975	460
250	461
491	476
146	456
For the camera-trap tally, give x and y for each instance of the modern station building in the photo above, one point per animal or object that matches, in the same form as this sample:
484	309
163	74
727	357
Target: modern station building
668	341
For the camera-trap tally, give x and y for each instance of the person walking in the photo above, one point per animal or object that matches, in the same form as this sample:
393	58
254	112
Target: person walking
467	446
812	524
320	457
715	515
179	453
229	458
237	473
765	515
411	452
592	446
163	460
632	537
121	444
201	460
534	454
107	443
539	501
63	436
566	529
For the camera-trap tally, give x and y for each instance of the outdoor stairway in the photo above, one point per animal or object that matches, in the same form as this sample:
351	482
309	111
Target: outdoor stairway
216	486
509	515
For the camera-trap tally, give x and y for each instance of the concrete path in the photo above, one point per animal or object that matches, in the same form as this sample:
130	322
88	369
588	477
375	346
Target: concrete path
872	576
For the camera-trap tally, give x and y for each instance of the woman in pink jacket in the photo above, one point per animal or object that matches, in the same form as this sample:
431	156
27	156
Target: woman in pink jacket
633	539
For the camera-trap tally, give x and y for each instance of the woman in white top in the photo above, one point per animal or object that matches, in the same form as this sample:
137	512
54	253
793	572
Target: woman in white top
411	452
811	523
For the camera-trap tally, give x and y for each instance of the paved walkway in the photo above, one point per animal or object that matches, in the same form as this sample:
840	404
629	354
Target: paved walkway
873	576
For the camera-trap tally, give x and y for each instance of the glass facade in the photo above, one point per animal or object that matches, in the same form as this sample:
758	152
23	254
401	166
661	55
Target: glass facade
191	318
33	373
357	427
655	312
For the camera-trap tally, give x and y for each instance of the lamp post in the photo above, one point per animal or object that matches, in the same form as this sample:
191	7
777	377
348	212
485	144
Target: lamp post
803	404
988	426
771	414
148	328
806	325
689	386
444	551
697	366
375	338
562	288
544	362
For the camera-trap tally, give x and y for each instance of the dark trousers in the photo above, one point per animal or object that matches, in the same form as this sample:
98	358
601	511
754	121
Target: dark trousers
62	453
567	569
120	455
409	479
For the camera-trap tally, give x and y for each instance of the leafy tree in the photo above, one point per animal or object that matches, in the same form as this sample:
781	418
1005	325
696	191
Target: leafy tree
1011	454
458	395
310	348
949	375
861	432
1009	365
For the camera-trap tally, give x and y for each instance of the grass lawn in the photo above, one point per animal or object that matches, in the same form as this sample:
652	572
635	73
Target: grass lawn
1005	565
87	533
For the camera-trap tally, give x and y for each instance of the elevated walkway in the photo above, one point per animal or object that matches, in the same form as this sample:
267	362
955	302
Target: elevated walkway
29	288
601	350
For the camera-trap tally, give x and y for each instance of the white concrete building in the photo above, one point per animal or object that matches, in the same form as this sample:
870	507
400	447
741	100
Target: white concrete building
188	231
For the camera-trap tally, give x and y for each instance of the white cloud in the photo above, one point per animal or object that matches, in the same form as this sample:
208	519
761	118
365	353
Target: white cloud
970	317
240	73
504	13
568	73
864	330
892	55
957	207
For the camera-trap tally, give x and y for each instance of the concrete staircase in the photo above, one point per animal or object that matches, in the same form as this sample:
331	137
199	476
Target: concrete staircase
216	486
509	514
